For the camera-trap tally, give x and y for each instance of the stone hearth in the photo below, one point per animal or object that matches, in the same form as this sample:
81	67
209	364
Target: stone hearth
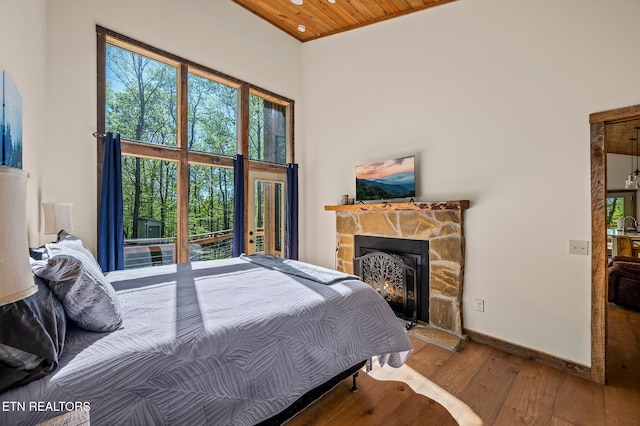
441	224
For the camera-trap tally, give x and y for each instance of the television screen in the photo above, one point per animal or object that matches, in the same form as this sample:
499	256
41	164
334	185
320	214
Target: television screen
386	180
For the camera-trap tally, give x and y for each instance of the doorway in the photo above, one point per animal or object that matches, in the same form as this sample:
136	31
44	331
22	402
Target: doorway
602	130
266	213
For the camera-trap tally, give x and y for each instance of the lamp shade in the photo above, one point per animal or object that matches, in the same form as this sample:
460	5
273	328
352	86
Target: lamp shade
57	216
16	280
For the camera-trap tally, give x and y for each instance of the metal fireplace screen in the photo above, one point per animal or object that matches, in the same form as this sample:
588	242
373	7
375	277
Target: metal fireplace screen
393	279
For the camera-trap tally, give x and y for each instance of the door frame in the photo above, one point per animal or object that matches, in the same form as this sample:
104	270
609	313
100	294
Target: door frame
599	277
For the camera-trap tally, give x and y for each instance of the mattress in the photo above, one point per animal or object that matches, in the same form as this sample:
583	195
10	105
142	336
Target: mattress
212	342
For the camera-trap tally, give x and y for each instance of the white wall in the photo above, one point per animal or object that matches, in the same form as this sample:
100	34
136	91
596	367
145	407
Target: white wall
23	57
493	97
217	34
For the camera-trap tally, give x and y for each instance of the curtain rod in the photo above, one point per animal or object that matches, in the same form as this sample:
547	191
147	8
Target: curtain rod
98	135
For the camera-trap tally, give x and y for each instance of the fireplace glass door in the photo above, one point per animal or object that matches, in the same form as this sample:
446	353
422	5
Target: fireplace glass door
391	276
414	254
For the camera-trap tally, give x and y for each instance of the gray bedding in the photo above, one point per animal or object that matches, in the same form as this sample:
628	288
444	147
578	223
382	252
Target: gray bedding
298	269
213	343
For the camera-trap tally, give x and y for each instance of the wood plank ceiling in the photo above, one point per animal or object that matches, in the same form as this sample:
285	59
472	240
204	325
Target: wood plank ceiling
322	18
618	137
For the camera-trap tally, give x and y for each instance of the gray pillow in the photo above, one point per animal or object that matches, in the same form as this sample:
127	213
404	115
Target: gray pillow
17	358
32	332
76	279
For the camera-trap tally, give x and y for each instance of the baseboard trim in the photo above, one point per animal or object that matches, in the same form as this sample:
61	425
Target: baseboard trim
533	355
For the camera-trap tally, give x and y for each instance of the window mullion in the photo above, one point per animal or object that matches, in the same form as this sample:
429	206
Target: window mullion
243	121
243	148
182	240
290	152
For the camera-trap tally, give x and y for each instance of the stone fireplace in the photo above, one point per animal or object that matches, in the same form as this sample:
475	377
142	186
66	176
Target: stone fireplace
439	223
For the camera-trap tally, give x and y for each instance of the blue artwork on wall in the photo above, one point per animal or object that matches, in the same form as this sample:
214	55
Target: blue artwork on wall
10	123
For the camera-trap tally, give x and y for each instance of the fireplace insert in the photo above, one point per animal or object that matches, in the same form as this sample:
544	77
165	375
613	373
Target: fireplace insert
399	270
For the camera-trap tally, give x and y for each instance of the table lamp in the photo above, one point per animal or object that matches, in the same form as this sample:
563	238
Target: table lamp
16	279
57	216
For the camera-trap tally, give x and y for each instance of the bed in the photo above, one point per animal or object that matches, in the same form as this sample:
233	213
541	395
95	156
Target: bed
237	341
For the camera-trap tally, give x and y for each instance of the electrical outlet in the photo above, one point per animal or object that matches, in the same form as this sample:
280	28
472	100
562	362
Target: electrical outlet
480	305
578	247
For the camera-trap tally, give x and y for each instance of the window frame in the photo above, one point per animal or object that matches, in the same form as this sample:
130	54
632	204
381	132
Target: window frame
181	154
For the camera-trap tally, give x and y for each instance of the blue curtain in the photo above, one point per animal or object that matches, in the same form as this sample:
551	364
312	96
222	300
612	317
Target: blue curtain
110	220
291	248
238	205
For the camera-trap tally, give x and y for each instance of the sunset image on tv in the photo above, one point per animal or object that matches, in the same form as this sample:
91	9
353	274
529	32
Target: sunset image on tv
386	180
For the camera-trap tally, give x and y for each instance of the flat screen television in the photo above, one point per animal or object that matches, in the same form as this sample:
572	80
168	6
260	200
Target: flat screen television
386	180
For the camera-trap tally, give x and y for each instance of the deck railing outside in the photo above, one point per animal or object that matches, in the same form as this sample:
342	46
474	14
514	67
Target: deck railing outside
142	252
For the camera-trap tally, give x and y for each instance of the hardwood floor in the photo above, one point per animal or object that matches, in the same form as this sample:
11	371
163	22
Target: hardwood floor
622	393
500	388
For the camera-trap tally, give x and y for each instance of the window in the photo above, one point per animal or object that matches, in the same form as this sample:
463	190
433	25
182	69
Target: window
149	204
181	125
210	212
213	110
620	204
141	97
267	130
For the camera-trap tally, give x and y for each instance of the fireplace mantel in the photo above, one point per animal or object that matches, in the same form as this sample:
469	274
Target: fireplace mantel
434	205
441	223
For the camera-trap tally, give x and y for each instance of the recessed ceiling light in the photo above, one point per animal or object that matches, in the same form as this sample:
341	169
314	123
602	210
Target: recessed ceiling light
298	2
302	28
331	1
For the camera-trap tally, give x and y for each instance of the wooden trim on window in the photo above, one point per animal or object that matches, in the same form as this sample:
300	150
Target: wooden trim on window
182	243
291	152
182	107
267	167
243	148
151	151
149	52
245	180
269	96
243	122
168	153
204	159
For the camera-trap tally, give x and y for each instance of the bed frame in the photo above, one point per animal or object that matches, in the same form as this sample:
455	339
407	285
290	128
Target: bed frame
314	394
